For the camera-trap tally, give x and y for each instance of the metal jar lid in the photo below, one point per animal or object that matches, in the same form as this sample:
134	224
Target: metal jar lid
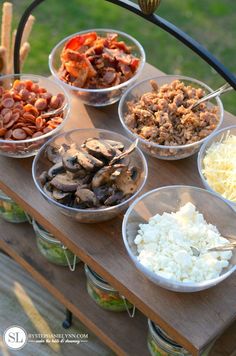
102	283
164	341
48	237
97	279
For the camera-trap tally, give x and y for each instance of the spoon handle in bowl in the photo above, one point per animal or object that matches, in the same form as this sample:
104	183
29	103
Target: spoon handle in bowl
223	89
224	247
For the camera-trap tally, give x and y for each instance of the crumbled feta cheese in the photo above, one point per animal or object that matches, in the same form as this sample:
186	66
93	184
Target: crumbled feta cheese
164	246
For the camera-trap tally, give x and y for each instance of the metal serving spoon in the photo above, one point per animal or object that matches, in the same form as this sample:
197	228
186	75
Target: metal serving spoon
54	112
226	87
225	247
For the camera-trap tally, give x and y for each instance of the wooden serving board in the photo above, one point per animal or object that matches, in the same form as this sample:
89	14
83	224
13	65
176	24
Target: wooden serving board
193	320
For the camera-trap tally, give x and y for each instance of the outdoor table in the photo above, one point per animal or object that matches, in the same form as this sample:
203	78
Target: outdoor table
192	319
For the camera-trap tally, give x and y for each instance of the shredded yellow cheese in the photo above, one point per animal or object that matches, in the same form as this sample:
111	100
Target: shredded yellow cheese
220	167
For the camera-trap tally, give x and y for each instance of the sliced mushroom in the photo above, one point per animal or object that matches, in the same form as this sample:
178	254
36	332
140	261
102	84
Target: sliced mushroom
59	194
53	153
47	188
116	144
129	150
65	183
56	169
88	162
103	176
87	197
103	192
99	148
69	160
43	178
81	173
128	180
114	199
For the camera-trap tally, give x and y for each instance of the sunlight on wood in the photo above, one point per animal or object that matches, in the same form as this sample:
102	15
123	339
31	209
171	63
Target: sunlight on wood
3	348
37	320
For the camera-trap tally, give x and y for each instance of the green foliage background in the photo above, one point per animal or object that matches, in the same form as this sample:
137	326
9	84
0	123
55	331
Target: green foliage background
211	22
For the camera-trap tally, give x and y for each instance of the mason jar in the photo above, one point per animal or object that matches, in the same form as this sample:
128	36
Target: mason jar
160	343
11	211
52	249
105	295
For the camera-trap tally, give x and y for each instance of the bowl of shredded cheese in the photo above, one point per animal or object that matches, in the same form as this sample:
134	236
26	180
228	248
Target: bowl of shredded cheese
217	164
161	227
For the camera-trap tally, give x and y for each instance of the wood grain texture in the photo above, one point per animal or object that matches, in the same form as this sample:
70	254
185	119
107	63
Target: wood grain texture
191	319
117	330
124	335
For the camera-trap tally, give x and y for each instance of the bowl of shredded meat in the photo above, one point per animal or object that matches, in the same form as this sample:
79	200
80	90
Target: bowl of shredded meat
97	65
159	112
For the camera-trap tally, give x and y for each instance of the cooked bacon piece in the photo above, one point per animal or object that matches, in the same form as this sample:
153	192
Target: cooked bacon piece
95	62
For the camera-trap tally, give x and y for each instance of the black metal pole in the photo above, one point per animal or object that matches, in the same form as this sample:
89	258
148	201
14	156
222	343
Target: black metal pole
19	33
157	20
68	320
183	37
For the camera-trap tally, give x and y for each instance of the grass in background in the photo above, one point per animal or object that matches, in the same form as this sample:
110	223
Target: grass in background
211	22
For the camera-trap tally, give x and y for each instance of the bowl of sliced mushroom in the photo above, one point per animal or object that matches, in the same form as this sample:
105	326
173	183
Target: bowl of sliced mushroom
90	175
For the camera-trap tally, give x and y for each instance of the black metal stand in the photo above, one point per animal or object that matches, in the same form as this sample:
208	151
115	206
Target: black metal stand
157	20
68	320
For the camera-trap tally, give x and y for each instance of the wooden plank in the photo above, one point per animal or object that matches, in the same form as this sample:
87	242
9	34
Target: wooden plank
122	334
128	335
191	319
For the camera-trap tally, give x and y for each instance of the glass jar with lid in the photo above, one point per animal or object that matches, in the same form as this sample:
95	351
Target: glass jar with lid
105	295
160	343
11	211
52	249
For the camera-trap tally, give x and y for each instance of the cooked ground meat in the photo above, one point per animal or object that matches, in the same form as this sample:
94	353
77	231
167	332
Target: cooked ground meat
165	115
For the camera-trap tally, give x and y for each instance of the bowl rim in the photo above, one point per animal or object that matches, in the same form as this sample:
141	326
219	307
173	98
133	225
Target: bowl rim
77	210
202	154
67	107
180	77
163	281
103	90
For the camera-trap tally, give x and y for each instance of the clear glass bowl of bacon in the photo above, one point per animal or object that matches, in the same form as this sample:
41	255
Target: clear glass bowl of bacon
26	119
97	65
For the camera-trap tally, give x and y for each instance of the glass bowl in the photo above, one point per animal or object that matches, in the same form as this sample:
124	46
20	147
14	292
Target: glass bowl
170	199
29	147
163	151
41	164
217	137
98	97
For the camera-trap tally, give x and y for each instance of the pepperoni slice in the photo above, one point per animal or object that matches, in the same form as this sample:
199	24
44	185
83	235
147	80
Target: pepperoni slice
7	117
19	134
8	134
29	116
37	134
39	122
5	111
9	124
8	102
27	130
3	131
41	104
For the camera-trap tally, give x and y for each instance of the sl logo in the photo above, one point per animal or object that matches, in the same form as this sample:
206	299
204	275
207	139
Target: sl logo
15	337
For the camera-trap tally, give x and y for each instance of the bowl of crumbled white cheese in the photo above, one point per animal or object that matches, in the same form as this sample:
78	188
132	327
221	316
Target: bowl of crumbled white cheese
161	227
